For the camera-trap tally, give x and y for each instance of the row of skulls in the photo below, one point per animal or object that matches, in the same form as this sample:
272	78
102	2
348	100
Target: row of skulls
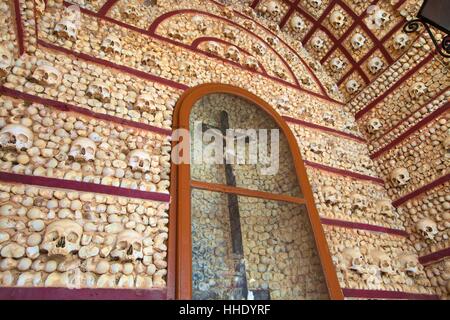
331	197
232	53
378	262
20	138
63	238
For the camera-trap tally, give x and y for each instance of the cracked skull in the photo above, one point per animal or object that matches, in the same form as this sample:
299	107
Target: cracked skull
417	90
358	41
111	44
400	177
66	29
352	86
353	260
401	40
6	60
129	246
46	75
139	160
272	8
233	54
374	125
16	136
382	260
337	64
145	102
330	195
379	17
359	201
317	43
375	65
409	264
427	228
99	91
83	149
337	19
62	237
297	24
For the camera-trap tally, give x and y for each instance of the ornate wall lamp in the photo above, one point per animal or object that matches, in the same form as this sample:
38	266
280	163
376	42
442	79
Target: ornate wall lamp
437	14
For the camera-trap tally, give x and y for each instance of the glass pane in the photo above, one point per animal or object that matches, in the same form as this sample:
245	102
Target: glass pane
265	170
272	256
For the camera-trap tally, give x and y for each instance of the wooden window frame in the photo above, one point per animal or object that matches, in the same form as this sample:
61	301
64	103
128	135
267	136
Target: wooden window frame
179	278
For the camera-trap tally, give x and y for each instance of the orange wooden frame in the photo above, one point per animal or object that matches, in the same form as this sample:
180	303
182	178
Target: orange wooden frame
180	241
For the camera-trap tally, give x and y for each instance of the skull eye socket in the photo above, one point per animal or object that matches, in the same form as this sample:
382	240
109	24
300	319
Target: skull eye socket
122	245
72	237
22	138
53	236
137	246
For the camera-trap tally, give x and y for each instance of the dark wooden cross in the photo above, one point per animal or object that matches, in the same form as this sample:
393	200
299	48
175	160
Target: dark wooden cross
235	219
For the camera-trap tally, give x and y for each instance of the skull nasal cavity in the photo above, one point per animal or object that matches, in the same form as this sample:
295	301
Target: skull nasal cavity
61	243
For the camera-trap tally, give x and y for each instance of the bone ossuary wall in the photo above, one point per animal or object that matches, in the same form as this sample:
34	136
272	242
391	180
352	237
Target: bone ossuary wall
87	96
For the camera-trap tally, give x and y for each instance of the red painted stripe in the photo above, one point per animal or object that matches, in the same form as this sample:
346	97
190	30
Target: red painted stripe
83	186
363	226
108	64
382	294
421	190
318	24
435	256
288	13
106	7
254	4
323	128
19	27
71	108
411	115
168	15
443	109
381	97
343	172
81	294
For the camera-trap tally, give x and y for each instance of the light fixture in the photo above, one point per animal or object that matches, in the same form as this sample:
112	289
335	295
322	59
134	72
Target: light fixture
435	13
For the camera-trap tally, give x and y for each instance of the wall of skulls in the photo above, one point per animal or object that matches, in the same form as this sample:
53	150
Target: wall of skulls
111	67
408	135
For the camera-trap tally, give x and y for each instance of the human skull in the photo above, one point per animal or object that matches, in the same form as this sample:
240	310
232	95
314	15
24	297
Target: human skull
374	125
353	260
6	60
427	228
230	32
316	147
145	102
316	4
252	63
66	29
111	44
233	54
150	59
359	201
175	32
317	43
384	207
409	264
128	247
83	149
297	24
72	13
139	160
199	23
272	8
358	41
337	19
330	195
46	75
400	177
214	47
382	260
62	237
337	64
100	91
133	12
380	18
16	136
401	40
272	41
375	65
417	90
352	86
259	48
